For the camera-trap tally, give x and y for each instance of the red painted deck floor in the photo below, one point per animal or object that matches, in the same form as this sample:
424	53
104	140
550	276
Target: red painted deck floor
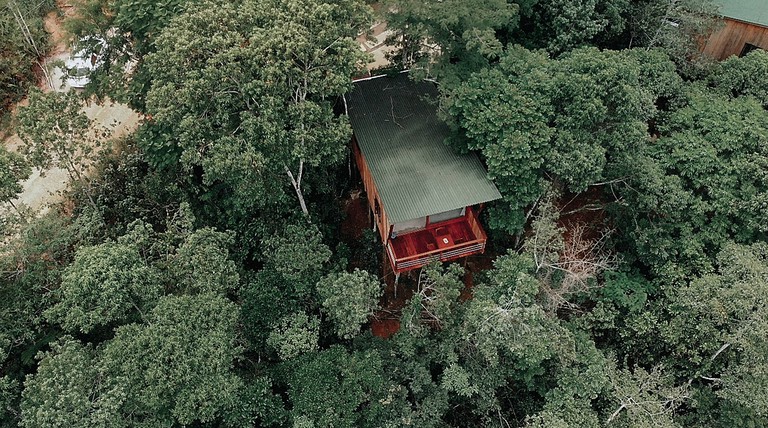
425	240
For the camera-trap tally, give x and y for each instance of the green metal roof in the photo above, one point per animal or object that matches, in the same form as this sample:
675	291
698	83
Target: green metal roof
402	140
753	11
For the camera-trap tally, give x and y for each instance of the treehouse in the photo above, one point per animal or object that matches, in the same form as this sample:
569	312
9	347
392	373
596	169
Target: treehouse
745	29
424	197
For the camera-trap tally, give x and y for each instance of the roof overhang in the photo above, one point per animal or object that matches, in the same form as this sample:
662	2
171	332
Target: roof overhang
416	174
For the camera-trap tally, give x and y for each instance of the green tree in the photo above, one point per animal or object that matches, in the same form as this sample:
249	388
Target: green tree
646	398
13	169
742	76
177	366
436	298
23	44
57	133
201	264
349	299
265	300
701	184
245	91
580	379
31	264
336	388
677	27
578	120
561	25
106	283
448	39
503	322
730	341
71	389
299	255
295	334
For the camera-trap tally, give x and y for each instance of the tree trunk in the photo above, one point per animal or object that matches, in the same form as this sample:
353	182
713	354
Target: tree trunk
296	183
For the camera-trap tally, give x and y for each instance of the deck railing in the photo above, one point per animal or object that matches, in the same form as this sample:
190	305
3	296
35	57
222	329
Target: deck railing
453	252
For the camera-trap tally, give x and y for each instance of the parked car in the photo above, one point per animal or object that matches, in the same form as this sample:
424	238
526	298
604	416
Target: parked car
85	59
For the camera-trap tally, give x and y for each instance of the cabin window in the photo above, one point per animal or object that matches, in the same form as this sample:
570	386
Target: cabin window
447	215
419	223
748	47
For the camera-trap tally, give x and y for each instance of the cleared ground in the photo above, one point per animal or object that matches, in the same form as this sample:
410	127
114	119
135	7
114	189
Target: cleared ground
44	187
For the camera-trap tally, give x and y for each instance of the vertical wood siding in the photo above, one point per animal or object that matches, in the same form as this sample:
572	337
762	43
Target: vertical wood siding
371	192
730	39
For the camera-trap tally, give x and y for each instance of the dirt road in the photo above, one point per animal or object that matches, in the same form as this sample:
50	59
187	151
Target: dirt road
40	190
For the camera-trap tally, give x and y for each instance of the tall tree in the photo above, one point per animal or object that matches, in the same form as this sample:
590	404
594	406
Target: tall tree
448	39
23	45
701	184
245	91
177	368
299	255
676	26
106	283
577	120
562	25
13	169
742	76
337	388
57	133
71	388
349	299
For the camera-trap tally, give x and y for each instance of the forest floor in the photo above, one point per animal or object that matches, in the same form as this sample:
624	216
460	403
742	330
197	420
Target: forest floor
374	44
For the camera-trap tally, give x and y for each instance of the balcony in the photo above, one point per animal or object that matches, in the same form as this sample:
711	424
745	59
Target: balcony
445	241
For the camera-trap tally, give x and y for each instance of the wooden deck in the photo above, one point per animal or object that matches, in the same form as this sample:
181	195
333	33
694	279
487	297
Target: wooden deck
444	241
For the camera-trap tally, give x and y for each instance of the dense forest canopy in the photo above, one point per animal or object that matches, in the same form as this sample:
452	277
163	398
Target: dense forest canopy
204	273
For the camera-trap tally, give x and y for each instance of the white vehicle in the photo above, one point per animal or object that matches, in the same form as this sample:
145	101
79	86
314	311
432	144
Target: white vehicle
83	62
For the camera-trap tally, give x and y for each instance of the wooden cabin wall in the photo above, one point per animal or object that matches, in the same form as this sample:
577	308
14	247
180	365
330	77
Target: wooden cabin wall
382	225
730	39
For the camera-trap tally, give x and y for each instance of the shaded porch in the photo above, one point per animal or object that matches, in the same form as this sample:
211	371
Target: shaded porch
445	241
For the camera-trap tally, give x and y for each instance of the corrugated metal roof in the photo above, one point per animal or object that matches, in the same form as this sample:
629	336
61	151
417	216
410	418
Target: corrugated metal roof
753	11
402	139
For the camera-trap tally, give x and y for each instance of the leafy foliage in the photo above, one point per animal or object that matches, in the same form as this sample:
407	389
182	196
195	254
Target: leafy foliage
282	63
700	185
677	27
450	38
743	76
202	264
104	284
13	169
560	25
177	366
23	43
70	388
298	254
57	133
349	299
295	334
578	119
328	388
